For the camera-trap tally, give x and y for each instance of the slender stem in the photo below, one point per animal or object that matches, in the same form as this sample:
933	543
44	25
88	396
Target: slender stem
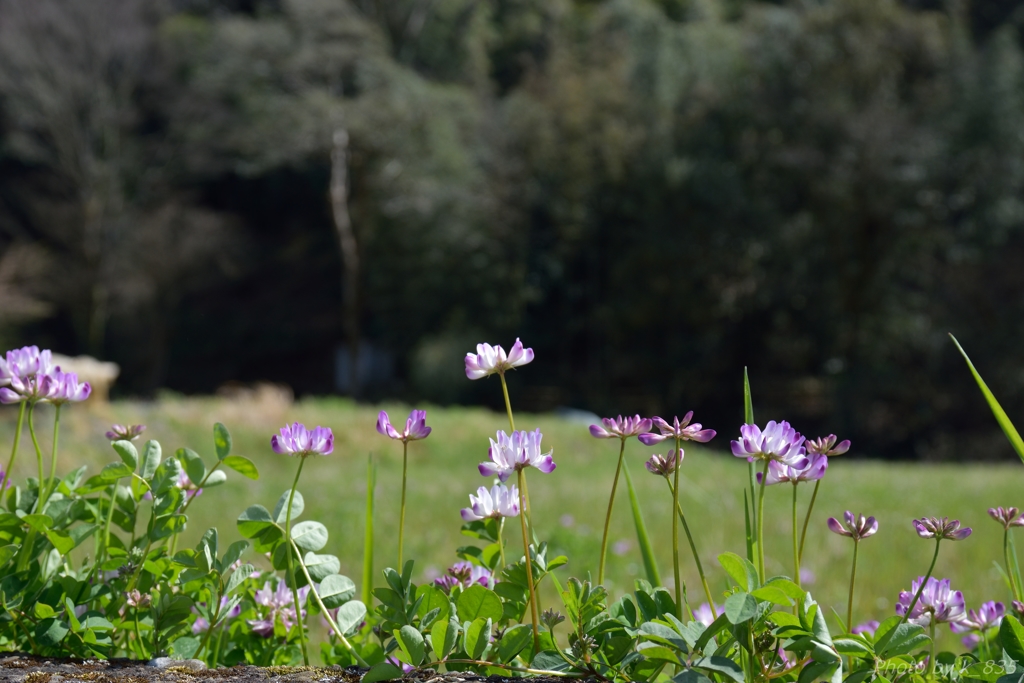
401	516
210	626
138	636
796	546
17	440
28	634
760	522
291	571
501	541
853	580
608	516
53	455
810	508
1014	588
675	535
529	561
371	483
696	556
41	499
752	479
508	403
326	612
924	581
931	649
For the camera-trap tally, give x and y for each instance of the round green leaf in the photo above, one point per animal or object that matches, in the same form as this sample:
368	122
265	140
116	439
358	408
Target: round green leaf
350	615
298	505
336	590
477	602
309	536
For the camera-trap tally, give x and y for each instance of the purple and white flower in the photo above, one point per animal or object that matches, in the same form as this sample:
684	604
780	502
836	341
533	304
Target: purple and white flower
415	427
63	387
465	574
778	442
988	616
826	445
280	604
941	528
666	465
704	615
682	430
125	433
938	603
25	362
510	454
1008	517
202	624
621	427
779	472
492	359
498	501
857	528
186	485
295	439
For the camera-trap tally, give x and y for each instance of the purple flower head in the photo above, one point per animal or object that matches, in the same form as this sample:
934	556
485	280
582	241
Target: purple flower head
868	628
779	472
279	603
31	389
60	387
704	615
125	433
938	603
684	431
136	599
498	501
492	359
934	527
202	624
186	485
826	445
621	427
446	583
415	427
989	615
25	363
778	442
1007	516
295	439
971	641
510	454
664	466
857	528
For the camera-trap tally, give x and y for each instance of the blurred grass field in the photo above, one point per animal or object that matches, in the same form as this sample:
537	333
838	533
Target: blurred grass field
569	504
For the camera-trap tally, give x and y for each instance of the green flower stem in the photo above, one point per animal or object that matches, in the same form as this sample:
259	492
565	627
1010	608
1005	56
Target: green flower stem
41	499
760	523
138	636
371	484
924	581
853	580
17	440
807	519
401	514
212	623
52	486
696	556
529	561
608	516
508	403
501	541
796	546
675	535
1014	588
291	570
323	609
931	650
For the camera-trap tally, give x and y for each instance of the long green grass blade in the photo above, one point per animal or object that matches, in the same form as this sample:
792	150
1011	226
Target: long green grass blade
650	563
993	404
371	485
748	511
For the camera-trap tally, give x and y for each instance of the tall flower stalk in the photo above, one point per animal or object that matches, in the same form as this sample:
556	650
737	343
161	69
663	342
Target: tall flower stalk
939	529
298	441
857	528
824	446
1009	518
621	428
415	428
779	442
679	431
778	472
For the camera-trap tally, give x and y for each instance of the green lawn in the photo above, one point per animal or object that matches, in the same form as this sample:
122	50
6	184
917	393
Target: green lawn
569	504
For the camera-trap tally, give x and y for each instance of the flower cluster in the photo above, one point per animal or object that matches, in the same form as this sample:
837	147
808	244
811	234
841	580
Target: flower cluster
779	472
510	454
125	433
778	442
857	528
1008	517
938	603
941	528
280	605
498	501
489	360
415	427
295	439
466	575
621	427
666	465
679	429
28	374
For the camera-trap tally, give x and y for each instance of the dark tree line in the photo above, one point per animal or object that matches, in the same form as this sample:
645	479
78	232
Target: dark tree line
651	193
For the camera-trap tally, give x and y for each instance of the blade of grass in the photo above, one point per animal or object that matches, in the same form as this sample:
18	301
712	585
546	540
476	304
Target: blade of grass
751	520
650	563
371	485
993	404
